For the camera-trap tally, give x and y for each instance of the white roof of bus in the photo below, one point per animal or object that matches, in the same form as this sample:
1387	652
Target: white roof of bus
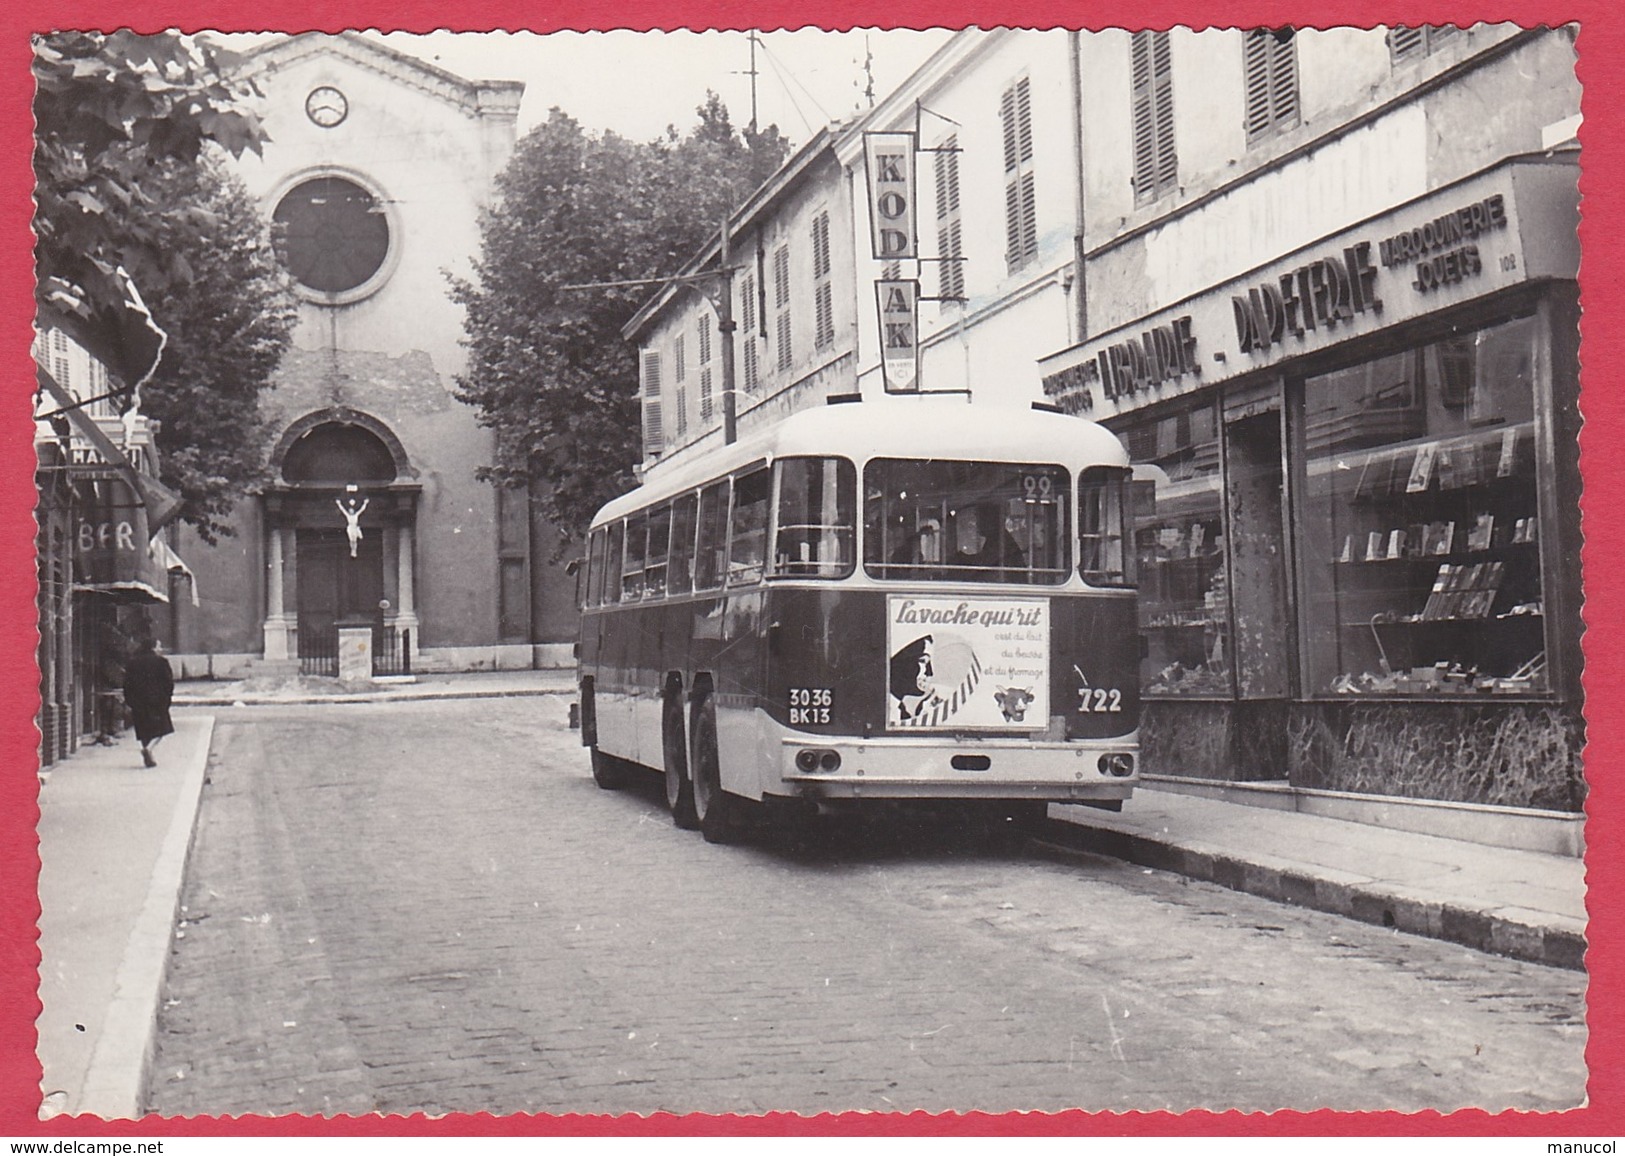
895	427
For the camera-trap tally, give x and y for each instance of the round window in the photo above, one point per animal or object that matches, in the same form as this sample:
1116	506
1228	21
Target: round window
334	234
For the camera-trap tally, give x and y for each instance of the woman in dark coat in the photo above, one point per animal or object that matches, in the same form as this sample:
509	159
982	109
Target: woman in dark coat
148	687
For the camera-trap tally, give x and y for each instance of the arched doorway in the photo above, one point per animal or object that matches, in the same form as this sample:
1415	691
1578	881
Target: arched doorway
340	533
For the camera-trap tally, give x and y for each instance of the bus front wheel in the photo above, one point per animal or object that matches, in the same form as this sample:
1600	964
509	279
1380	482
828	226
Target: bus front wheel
715	809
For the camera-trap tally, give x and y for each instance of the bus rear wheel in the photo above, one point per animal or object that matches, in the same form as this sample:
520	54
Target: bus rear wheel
714	808
679	787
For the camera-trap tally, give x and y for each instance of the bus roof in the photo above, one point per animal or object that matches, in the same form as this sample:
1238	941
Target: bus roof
948	428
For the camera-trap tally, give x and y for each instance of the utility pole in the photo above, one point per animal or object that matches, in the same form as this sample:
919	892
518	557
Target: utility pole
724	303
717	287
752	75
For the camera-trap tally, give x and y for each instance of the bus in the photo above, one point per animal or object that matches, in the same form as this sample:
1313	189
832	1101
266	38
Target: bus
887	600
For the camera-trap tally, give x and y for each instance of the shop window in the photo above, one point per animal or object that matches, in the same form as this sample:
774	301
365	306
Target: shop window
1178	512
1422	567
1270	64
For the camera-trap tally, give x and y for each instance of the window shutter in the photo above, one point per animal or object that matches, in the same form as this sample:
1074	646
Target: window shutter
653	437
682	410
785	356
705	393
679	357
1270	62
705	340
1156	165
651	374
1404	42
781	276
820	239
950	274
747	302
824	310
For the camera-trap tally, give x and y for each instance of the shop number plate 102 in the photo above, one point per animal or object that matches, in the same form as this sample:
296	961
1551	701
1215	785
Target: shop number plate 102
810	705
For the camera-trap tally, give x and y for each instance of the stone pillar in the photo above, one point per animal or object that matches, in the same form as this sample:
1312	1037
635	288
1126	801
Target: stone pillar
406	608
276	615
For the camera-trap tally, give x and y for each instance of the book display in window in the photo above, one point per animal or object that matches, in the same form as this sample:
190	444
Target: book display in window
1437	586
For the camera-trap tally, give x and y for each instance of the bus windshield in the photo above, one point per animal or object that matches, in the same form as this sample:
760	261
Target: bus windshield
942	521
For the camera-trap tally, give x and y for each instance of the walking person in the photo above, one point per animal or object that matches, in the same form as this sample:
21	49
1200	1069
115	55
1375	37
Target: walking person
149	685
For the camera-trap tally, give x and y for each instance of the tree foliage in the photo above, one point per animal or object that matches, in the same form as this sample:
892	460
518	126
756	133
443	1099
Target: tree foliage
110	112
548	369
229	325
129	140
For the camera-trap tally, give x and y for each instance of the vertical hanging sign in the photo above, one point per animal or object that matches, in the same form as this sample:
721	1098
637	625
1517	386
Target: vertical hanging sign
889	160
899	303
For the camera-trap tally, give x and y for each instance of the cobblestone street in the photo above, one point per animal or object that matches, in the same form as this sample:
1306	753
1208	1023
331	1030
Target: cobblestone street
429	907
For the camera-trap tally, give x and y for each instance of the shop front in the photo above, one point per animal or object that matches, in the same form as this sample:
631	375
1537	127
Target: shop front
1358	527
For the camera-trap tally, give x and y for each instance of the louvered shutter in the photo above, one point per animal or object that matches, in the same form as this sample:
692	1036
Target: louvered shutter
1404	42
951	275
1020	209
1156	164
1270	61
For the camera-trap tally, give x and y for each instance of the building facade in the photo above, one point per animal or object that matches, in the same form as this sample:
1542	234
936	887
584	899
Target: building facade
1328	298
1322	284
374	175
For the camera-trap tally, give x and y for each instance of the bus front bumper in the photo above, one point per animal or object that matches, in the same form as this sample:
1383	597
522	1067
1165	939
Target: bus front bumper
815	767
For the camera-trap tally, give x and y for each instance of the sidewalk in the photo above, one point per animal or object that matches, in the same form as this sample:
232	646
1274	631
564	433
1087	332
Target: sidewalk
288	691
113	842
1522	904
114	839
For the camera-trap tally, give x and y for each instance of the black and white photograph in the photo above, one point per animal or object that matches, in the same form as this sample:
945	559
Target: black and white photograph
722	573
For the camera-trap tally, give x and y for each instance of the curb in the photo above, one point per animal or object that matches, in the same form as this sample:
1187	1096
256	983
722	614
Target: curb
1498	932
368	696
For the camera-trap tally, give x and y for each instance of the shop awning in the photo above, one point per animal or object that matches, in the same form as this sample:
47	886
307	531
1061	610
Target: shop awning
112	551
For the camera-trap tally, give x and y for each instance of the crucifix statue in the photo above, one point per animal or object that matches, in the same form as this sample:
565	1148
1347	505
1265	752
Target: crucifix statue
352	512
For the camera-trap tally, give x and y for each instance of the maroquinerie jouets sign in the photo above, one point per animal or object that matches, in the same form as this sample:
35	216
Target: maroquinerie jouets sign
1460	243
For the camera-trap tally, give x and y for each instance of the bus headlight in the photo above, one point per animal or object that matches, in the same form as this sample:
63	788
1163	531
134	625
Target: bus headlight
1118	766
810	760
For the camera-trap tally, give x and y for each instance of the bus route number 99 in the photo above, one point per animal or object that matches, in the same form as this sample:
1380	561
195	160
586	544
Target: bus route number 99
810	705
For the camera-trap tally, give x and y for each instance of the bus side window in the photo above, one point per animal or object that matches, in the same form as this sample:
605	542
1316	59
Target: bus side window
637	545
595	569
713	537
654	570
680	568
747	528
1105	553
816	530
610	591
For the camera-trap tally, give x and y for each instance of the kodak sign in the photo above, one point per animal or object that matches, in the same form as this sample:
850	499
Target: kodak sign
889	160
899	303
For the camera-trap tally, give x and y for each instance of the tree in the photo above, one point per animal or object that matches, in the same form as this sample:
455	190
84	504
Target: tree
229	325
129	134
110	112
548	369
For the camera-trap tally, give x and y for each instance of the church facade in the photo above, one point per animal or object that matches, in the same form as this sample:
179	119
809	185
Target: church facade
374	176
